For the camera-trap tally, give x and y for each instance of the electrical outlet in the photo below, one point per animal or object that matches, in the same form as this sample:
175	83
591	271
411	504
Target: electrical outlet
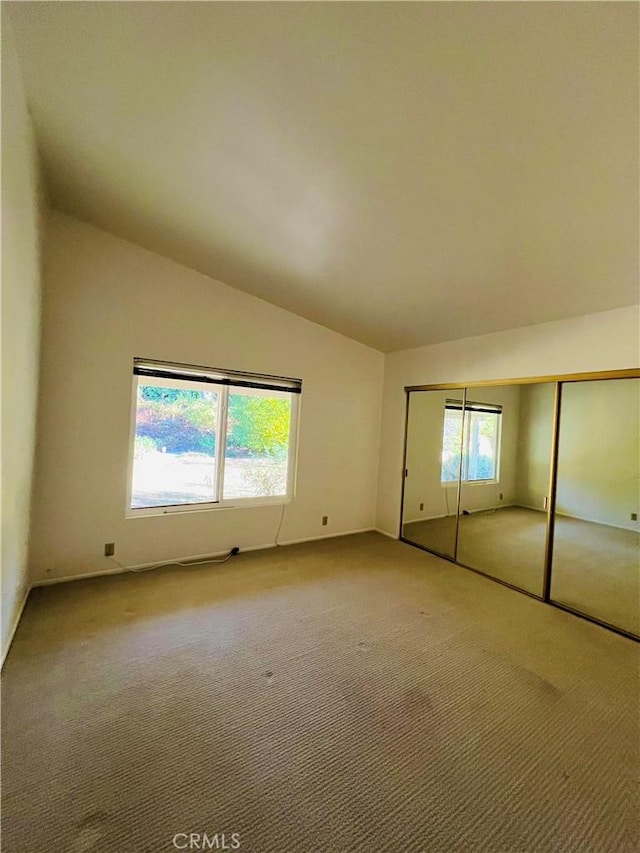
500	495
109	549
421	507
325	520
634	516
545	502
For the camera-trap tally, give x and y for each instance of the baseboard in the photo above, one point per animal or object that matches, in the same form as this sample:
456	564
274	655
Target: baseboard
579	518
427	518
14	627
493	508
324	536
534	508
594	521
501	505
386	533
121	570
118	570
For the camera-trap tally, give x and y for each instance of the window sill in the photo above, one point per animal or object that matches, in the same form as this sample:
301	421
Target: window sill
451	483
245	503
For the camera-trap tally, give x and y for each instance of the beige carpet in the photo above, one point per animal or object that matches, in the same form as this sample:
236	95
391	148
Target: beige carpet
596	568
355	694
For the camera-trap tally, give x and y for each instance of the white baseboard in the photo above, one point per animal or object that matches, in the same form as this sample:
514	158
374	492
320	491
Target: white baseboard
428	518
14	627
386	533
118	570
493	507
595	521
324	536
581	518
534	508
501	505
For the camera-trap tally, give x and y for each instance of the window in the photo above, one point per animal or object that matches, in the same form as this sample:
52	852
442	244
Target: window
204	437
480	442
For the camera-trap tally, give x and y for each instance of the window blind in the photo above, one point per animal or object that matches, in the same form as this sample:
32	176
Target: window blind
469	406
215	376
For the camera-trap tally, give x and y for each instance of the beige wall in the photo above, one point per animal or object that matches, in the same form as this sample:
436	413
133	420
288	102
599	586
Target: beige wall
605	341
599	452
423	463
537	404
106	301
20	331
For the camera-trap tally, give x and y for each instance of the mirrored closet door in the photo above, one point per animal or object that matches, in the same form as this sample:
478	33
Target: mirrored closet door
432	468
504	491
534	484
596	553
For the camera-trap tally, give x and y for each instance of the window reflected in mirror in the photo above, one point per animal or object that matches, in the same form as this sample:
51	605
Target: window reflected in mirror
506	444
478	488
479	444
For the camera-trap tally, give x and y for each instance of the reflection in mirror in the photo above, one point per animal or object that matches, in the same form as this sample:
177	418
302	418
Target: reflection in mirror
596	556
505	482
434	434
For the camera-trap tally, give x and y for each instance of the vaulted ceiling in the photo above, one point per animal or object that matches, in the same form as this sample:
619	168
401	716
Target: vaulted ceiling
403	173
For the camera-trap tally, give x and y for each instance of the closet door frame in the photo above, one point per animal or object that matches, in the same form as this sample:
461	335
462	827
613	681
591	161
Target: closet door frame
559	380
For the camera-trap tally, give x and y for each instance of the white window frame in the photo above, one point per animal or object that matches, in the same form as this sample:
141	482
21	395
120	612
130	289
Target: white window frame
464	449
223	392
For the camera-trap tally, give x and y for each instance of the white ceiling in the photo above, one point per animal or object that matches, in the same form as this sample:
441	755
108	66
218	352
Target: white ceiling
402	173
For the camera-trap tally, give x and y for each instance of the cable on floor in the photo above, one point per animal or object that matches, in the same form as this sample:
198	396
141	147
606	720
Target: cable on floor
185	564
204	562
277	544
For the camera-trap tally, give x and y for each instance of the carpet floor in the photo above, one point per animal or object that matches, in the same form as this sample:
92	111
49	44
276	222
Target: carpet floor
596	568
355	694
